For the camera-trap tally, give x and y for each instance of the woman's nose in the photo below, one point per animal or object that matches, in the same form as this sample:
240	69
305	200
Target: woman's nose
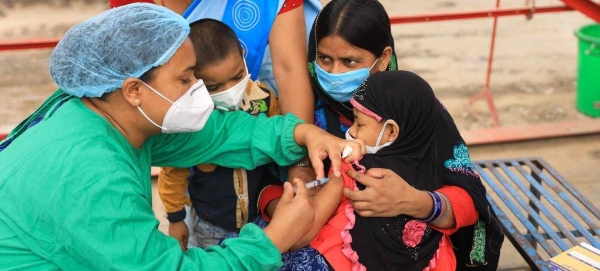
337	67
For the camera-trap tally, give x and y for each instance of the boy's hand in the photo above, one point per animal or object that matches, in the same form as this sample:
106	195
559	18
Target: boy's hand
179	231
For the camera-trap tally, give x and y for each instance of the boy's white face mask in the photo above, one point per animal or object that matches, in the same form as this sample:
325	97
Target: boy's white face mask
189	113
231	99
373	150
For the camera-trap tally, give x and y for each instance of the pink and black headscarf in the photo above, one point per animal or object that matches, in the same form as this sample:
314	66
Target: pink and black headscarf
428	153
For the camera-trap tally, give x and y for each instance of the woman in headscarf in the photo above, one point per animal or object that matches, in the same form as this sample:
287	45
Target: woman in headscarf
439	218
75	175
442	219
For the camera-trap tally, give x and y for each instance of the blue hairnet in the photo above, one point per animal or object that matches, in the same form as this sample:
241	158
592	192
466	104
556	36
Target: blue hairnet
95	57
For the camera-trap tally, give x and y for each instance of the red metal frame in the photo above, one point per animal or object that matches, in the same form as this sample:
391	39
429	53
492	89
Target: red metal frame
587	7
434	17
497	12
28	44
494	135
486	92
530	132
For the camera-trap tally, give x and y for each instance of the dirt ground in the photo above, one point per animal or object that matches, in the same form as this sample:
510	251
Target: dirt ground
533	80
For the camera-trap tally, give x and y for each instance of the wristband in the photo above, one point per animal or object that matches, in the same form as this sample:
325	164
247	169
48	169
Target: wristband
447	209
303	164
437	208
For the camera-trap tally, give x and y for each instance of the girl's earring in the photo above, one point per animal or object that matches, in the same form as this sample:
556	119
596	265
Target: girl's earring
137	101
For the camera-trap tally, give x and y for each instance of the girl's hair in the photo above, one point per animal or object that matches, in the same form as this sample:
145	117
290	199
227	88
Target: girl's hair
362	23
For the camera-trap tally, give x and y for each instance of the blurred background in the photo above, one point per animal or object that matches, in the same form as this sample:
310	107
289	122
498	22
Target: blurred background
534	76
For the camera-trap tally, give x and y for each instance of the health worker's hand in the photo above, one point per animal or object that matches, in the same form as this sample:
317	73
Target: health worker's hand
306	174
292	218
321	145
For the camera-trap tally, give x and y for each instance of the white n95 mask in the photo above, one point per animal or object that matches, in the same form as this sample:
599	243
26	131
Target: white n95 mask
189	113
231	99
370	149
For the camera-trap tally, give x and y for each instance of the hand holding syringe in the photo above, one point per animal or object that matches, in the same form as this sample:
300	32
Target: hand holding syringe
314	183
347	150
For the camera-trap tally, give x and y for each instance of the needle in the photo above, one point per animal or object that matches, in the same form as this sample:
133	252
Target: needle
314	183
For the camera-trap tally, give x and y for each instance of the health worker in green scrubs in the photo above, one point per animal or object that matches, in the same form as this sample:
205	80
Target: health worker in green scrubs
75	184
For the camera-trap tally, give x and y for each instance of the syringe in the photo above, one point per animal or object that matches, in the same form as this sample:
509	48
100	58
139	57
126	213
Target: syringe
314	183
347	151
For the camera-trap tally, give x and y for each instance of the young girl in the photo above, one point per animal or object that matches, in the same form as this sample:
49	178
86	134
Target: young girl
407	130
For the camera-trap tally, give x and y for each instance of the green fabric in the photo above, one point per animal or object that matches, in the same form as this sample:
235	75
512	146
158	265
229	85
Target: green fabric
478	250
76	195
47	106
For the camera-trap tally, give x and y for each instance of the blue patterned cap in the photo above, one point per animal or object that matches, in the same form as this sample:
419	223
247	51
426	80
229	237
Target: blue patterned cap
95	57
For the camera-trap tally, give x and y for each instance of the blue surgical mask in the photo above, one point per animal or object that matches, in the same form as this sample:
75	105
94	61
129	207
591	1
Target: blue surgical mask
341	86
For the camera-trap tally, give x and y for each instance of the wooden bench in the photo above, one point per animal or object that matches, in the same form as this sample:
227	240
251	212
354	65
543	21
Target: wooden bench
540	212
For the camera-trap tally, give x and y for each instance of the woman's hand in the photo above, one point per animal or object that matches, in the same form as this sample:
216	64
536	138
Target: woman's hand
321	145
387	195
293	217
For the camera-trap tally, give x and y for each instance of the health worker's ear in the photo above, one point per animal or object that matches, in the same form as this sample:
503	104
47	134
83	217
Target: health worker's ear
131	91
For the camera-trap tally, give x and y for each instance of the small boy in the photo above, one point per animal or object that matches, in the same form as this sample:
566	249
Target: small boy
224	199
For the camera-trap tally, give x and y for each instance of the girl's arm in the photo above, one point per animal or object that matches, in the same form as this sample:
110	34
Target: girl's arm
326	201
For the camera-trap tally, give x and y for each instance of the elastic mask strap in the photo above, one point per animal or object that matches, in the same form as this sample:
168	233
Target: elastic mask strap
376	60
149	119
159	94
246	66
381	133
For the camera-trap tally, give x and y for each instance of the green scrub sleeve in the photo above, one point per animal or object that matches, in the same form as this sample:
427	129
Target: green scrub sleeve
231	139
112	227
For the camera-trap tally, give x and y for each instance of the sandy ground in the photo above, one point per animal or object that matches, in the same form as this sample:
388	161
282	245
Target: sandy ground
533	81
534	74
